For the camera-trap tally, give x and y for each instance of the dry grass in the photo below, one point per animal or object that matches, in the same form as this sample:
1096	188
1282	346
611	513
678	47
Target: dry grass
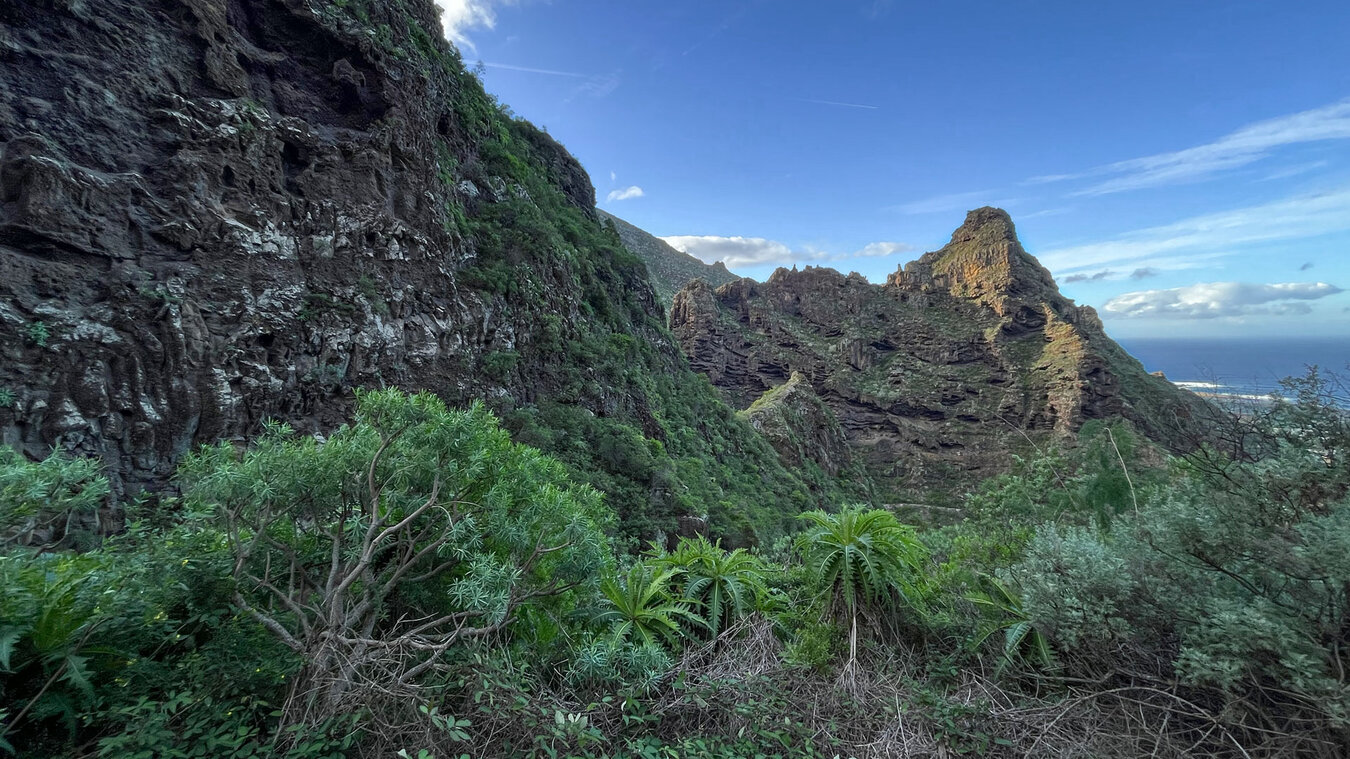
738	685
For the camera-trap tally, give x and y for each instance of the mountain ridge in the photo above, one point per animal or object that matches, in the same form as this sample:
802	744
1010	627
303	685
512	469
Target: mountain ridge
940	374
669	269
308	199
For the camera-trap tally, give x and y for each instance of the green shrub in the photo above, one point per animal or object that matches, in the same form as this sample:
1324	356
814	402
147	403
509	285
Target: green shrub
38	333
45	502
725	585
417	529
639	606
1235	576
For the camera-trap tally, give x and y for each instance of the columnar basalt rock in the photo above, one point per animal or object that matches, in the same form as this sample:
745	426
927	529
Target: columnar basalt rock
213	214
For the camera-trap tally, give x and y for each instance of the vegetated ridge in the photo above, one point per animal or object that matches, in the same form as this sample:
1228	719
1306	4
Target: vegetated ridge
669	269
960	359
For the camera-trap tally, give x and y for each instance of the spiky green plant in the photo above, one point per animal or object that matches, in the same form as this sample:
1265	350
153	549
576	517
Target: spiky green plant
46	631
639	604
725	584
1022	640
862	557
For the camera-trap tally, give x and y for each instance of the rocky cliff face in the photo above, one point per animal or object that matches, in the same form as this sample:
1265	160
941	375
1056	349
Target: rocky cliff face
669	269
937	376
216	213
801	428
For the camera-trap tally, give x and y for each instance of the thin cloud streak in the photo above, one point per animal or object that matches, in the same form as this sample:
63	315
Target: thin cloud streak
839	103
957	201
1293	171
1211	235
1046	212
1240	148
532	70
1049	178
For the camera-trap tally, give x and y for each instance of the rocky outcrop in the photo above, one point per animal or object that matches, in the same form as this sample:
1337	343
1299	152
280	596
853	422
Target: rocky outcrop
669	269
984	263
936	377
217	213
800	427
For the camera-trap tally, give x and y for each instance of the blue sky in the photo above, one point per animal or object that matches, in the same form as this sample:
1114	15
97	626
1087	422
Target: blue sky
1182	166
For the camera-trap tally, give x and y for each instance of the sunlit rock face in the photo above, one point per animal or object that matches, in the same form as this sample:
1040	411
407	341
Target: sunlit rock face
936	377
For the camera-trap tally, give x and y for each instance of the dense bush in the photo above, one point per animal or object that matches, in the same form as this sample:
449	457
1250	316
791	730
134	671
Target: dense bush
417	582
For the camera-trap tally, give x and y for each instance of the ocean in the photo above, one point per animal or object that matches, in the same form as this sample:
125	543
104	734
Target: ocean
1244	367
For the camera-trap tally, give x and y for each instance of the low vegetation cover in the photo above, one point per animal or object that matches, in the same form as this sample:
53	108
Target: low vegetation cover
418	585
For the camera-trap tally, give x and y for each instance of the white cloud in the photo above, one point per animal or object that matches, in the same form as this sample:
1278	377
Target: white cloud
1211	300
458	17
1247	145
1199	238
733	251
613	176
873	249
627	193
757	251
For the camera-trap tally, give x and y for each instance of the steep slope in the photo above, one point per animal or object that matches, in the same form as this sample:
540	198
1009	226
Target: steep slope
669	269
962	357
802	428
213	214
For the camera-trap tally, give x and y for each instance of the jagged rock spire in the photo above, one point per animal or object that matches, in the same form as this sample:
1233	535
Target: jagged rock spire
984	261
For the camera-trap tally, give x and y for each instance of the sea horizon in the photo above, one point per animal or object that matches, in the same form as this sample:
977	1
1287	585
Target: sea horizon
1243	367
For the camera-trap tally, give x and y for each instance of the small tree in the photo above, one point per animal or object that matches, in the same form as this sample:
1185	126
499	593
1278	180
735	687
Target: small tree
862	558
374	552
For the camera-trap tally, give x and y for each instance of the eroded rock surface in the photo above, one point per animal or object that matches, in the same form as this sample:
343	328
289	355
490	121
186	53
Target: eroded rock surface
801	428
209	210
936	377
217	213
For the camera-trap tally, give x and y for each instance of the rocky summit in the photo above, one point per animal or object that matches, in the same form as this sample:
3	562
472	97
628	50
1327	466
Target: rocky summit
960	359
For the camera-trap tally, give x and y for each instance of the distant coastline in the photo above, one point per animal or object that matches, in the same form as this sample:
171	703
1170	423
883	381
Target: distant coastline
1239	369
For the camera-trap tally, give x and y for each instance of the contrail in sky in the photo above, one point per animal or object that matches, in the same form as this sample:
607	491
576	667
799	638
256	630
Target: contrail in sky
836	102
